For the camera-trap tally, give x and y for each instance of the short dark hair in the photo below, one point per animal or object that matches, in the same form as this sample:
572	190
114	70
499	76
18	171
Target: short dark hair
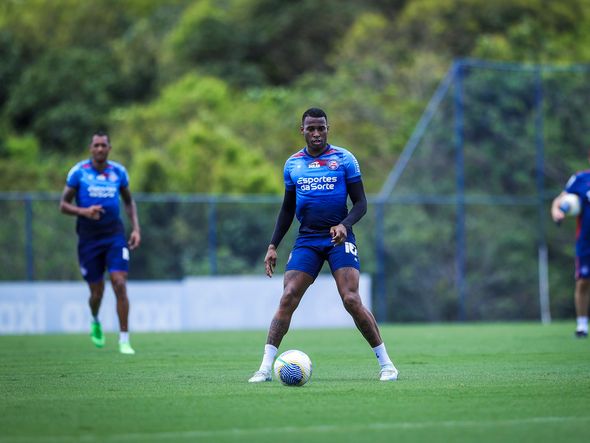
314	112
100	133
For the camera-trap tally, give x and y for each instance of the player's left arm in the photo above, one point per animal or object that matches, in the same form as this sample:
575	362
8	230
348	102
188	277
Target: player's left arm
556	213
356	191
131	210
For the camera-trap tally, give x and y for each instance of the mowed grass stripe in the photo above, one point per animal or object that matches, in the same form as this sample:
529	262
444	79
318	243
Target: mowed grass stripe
322	429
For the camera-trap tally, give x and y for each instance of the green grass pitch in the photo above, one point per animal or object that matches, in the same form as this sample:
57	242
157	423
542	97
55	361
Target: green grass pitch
518	382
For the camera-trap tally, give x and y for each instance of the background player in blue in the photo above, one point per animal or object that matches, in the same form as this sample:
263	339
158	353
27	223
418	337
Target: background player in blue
318	180
96	184
579	184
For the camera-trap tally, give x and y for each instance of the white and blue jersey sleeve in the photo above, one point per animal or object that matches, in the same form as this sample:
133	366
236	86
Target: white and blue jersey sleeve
98	188
320	184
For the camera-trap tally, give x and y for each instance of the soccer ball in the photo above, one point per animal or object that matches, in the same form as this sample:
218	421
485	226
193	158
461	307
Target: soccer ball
570	204
293	368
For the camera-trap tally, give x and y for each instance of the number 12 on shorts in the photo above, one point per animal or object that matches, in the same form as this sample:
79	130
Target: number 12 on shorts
350	248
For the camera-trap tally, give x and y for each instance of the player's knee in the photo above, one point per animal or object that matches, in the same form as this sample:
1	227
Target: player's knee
352	302
96	296
289	301
119	287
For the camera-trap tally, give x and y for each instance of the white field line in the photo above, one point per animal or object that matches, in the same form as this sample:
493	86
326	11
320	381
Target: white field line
318	429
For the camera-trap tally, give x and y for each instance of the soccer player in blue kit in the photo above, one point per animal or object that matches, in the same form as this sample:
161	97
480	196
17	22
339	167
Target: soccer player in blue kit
96	184
579	184
318	180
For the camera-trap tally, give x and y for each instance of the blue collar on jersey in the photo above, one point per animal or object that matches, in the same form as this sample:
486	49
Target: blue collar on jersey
320	154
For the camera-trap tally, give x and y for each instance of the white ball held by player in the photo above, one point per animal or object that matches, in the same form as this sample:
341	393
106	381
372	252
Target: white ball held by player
570	204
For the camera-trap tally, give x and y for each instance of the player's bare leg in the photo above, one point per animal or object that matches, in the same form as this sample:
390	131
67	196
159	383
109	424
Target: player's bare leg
295	284
582	303
119	283
95	300
347	281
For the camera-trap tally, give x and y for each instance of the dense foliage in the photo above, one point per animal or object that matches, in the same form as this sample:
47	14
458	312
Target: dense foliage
224	82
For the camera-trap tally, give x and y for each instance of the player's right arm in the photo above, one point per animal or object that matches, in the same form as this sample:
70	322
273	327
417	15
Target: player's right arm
67	207
284	220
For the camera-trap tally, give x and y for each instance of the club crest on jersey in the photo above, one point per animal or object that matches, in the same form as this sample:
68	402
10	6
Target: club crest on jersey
333	165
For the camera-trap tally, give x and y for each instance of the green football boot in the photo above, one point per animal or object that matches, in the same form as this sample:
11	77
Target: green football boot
96	334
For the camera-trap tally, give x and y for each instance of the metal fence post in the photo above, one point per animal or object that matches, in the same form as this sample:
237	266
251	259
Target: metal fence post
29	254
460	185
544	305
212	235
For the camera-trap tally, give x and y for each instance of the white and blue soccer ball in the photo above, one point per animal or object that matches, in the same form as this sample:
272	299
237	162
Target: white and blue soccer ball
293	368
570	204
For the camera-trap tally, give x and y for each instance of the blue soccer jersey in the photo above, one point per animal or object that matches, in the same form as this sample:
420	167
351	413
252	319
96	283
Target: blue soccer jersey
98	188
579	184
320	184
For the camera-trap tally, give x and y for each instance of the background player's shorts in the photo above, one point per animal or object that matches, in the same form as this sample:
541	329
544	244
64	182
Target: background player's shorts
100	254
310	252
583	267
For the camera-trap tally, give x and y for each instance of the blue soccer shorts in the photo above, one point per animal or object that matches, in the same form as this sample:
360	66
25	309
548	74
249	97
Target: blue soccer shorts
583	267
312	250
104	253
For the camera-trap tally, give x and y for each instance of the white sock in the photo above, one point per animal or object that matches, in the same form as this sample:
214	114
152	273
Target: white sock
123	337
270	353
582	324
382	356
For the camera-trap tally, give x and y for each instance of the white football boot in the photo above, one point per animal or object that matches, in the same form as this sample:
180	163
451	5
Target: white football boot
260	376
388	373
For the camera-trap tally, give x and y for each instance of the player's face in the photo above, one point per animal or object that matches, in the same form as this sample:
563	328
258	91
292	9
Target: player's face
315	131
99	148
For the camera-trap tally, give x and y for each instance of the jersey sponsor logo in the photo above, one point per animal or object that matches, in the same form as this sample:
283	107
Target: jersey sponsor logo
314	165
324	183
333	165
102	191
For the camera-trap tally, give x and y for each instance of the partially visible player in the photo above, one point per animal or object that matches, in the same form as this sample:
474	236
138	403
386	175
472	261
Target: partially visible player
579	184
96	185
318	181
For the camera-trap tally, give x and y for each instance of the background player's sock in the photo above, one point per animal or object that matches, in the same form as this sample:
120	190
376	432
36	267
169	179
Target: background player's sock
123	337
582	324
